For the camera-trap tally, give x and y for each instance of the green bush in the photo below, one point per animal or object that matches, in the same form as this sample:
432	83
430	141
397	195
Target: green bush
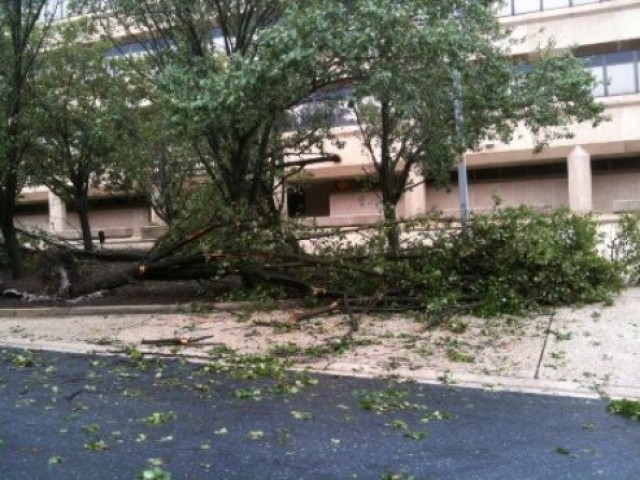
520	258
625	250
508	261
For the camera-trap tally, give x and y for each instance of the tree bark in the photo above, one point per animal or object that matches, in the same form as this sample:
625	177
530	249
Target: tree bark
167	271
85	226
10	237
392	230
7	211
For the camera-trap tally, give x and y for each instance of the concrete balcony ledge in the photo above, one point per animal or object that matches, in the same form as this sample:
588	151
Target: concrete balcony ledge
629	205
109	233
342	221
153	232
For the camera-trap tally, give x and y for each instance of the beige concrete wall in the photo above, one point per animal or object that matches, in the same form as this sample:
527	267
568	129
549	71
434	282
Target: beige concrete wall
612	191
590	24
115	218
352	151
354	203
539	193
38	221
619	136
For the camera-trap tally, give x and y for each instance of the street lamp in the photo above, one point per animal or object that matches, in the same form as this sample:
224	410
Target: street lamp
458	116
463	184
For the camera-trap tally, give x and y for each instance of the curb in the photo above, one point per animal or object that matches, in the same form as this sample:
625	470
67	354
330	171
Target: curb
451	378
97	310
40	312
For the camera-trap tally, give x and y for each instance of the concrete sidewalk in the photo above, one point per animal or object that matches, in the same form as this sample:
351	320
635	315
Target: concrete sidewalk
590	351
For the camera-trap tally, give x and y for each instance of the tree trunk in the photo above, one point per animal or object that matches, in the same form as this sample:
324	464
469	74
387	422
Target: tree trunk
388	179
11	243
83	216
9	233
391	228
141	272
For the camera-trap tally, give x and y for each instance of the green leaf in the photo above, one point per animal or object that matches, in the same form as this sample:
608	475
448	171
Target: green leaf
300	415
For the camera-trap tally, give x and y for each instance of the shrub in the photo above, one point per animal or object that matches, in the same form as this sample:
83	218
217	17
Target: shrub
520	258
508	261
625	250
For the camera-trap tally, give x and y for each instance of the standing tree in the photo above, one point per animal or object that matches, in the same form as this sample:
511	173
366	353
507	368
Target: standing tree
231	73
415	59
85	112
158	165
23	29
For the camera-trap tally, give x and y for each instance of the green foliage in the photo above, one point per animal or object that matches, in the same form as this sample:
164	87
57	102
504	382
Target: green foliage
508	261
84	111
155	472
22	42
231	99
391	399
96	446
301	415
159	418
520	259
626	408
625	249
24	360
424	61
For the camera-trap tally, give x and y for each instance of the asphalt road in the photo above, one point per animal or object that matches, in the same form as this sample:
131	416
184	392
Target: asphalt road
85	417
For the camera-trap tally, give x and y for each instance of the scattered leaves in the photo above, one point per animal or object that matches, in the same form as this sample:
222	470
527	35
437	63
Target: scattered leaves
159	418
300	415
255	435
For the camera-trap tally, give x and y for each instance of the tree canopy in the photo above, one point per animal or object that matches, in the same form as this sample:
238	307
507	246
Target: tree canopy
85	106
232	90
426	59
22	34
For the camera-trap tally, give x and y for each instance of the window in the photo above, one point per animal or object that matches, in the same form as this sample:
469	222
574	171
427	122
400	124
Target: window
551	4
596	65
621	73
504	8
526	6
515	7
617	73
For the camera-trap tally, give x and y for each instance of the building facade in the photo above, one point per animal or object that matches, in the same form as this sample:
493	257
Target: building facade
596	171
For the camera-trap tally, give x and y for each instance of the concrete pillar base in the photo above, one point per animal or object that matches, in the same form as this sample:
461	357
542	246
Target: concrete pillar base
414	199
580	180
57	213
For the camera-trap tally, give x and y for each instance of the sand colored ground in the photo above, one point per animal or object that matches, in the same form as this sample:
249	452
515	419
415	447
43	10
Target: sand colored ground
592	350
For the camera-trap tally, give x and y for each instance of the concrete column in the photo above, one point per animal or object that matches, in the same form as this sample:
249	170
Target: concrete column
154	218
57	213
280	197
415	199
579	176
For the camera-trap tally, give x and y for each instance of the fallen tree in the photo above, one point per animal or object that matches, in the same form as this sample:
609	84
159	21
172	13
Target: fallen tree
508	261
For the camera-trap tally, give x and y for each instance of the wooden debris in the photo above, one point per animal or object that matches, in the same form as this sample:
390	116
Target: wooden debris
314	312
175	341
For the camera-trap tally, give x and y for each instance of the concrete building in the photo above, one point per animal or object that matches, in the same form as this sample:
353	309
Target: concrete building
598	170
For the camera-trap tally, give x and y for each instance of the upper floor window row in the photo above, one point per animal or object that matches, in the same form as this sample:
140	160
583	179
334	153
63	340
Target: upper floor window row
518	7
617	73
